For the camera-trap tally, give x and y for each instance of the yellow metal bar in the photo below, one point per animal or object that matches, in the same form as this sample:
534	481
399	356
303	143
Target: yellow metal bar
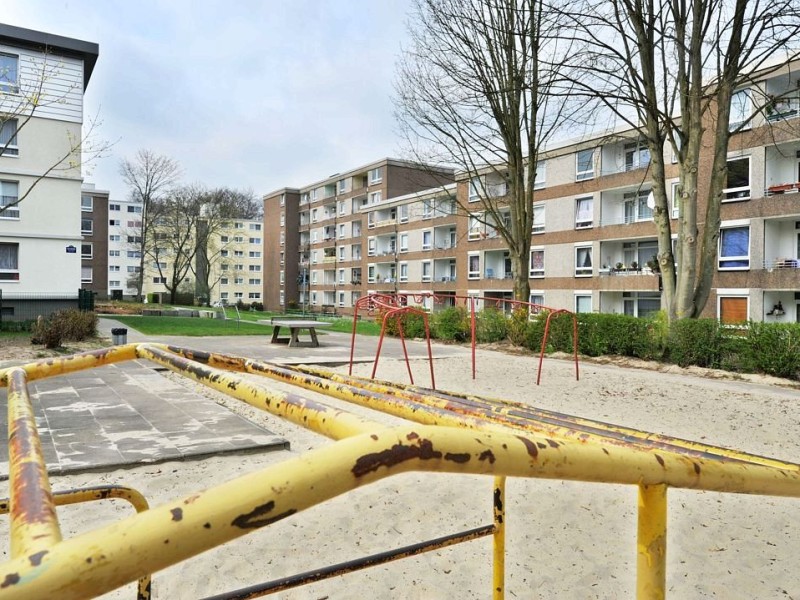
651	564
499	540
34	524
458	410
99	561
318	417
50	367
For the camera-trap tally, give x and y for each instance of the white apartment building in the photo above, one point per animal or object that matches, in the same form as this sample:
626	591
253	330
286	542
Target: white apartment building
124	247
41	238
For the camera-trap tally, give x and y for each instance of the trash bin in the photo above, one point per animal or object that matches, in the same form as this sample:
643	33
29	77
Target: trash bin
119	336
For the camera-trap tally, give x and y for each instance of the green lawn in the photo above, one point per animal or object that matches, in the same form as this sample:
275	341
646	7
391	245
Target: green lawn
192	326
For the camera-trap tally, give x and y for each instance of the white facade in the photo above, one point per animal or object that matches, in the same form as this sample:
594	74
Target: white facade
124	226
40	239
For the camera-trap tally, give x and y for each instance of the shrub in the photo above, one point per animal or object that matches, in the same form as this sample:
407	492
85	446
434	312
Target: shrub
695	342
517	326
413	324
451	324
774	349
491	325
72	325
47	332
259	306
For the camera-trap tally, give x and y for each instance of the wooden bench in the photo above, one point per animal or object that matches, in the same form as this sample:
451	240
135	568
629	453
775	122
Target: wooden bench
295	326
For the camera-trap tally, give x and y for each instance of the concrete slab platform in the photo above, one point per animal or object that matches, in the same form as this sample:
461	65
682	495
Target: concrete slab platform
129	414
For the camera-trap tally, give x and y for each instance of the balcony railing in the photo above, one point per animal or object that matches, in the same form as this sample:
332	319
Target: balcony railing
782	263
783	188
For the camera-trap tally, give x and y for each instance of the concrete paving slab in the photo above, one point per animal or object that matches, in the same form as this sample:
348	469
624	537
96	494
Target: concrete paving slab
128	414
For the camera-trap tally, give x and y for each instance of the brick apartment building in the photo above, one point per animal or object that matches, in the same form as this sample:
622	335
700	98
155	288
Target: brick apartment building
380	228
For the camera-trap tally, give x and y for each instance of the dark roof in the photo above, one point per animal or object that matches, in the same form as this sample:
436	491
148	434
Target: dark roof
57	44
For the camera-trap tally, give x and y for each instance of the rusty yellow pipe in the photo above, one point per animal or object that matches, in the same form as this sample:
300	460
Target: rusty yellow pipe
458	410
499	540
96	562
34	524
651	562
318	417
50	367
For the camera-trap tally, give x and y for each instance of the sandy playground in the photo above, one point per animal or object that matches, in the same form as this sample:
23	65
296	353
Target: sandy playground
565	539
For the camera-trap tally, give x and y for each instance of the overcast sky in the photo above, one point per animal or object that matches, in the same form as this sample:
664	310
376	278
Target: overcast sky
244	93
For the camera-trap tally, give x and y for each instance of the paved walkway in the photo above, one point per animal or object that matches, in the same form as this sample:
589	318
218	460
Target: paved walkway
129	413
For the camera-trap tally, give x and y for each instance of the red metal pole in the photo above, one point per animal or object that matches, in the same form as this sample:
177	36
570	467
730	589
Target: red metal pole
399	318
544	344
380	343
575	343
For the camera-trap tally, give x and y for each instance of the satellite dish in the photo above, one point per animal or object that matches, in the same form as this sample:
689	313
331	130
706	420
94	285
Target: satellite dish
651	200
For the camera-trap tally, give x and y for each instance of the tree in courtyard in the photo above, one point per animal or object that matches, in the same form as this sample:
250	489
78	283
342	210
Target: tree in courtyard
150	177
219	207
473	92
173	241
671	70
33	89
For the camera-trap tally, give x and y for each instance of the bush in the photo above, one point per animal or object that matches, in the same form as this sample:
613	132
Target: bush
259	306
517	326
695	342
774	349
451	324
72	325
491	325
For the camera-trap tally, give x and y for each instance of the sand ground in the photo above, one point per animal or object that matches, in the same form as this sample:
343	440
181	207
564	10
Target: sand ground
565	539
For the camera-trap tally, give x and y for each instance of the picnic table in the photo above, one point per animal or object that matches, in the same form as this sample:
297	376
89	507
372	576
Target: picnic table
295	326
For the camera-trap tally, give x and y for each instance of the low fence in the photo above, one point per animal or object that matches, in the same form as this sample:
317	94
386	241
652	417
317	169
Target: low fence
19	307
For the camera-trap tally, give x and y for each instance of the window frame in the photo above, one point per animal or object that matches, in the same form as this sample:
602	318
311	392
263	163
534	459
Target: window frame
11	274
536	273
742	192
474	273
87	230
583	271
584	223
90	254
6	85
10	213
11	148
538	230
728	227
586	174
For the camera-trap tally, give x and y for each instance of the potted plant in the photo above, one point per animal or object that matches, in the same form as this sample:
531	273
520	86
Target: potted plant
635	266
653	265
619	266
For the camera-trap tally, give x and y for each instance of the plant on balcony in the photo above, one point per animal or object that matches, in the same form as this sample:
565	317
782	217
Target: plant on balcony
652	264
635	266
619	266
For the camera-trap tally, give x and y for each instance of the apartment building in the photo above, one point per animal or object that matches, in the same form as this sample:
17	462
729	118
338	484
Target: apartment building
315	240
94	246
40	238
593	234
234	260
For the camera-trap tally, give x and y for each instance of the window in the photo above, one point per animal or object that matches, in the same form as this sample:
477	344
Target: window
583	261
283	199
741	110
538	218
737	184
9	73
223	281
113	252
223	253
238	295
584	165
135	209
9	193
162	280
86	251
342	252
114	284
114	223
403	242
427	209
637	155
375	175
223	239
341	299
340	204
583	212
734	248
254	268
9	265
134	254
403	271
732	309
255	240
539	176
375	197
113	207
475	189
8	138
238	267
341	231
427	239
254	254
402	213
283	239
87	203
474	266
583	303
224	296
641	304
131	269
113	268
115	238
370	273
238	225
238	280
86	274
537	263
282	297
538	299
257	226
426	270
314	277
341	276
635	207
475	231
342	186
676	199
87	226
224	266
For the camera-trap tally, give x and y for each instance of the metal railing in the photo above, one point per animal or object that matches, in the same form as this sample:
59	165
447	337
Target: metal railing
29	306
450	433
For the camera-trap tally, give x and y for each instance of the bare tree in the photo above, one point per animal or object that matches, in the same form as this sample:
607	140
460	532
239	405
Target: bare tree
173	246
473	92
24	96
670	69
219	206
150	177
